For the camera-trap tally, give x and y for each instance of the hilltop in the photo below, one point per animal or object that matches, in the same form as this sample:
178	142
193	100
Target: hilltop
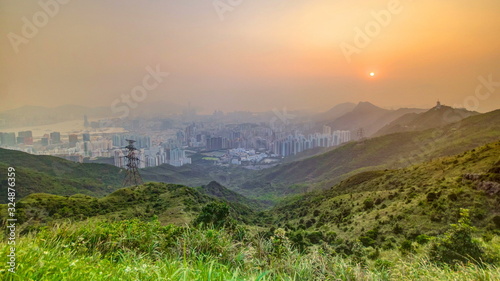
368	117
216	190
435	117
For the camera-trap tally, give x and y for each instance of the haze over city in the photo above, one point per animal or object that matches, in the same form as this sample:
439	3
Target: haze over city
254	55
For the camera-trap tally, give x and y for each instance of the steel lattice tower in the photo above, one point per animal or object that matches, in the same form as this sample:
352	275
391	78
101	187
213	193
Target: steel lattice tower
133	178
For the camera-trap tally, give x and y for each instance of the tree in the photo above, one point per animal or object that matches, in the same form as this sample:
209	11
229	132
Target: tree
214	214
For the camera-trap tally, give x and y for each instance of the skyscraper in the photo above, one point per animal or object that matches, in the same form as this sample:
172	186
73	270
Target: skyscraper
85	121
86	136
73	139
55	137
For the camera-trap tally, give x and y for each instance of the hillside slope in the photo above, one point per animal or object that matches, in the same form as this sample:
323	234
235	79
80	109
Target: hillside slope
169	202
216	190
39	173
369	117
435	117
421	199
389	151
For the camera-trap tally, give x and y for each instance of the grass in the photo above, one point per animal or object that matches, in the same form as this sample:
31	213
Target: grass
135	250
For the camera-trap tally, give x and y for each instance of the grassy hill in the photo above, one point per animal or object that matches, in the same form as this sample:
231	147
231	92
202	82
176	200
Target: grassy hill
435	117
389	151
218	191
389	205
368	117
372	226
37	173
171	203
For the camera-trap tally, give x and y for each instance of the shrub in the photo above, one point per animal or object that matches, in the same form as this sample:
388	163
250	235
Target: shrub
407	247
457	245
213	214
368	203
422	239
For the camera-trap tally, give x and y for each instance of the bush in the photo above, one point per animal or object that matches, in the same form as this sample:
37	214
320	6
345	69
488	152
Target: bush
407	247
214	214
368	203
457	245
422	239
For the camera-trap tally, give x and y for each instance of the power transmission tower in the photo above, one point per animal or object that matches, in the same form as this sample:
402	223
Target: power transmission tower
132	178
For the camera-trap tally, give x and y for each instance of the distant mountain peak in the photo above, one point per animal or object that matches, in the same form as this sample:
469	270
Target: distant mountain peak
367	106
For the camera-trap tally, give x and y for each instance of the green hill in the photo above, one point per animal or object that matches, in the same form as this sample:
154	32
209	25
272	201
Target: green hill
389	151
435	117
218	191
169	202
38	173
405	203
369	117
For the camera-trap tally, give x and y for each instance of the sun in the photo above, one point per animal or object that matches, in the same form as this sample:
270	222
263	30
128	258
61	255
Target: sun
372	74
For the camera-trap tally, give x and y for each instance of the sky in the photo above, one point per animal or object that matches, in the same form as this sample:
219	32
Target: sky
250	55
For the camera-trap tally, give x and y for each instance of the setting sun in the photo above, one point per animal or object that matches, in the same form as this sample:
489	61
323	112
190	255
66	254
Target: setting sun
372	74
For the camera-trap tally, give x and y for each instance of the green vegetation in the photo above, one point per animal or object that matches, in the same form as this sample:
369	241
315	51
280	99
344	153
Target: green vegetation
146	250
169	202
57	176
438	219
384	152
385	208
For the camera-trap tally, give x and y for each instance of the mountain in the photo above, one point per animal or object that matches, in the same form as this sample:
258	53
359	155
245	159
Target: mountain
169	202
218	191
435	117
404	203
39	115
39	173
368	117
335	112
388	151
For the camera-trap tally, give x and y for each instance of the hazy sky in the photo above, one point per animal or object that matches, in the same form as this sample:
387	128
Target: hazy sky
260	55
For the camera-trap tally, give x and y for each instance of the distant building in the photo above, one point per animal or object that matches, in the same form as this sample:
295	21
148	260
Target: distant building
86	136
119	158
55	137
120	141
85	121
73	139
25	137
214	143
8	139
327	130
177	157
438	105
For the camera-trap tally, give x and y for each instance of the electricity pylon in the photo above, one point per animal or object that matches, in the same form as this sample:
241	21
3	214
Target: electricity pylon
132	178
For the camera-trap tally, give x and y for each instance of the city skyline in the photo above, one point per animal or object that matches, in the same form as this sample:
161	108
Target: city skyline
255	56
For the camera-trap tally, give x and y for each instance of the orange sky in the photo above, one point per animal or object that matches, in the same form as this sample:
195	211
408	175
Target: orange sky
262	55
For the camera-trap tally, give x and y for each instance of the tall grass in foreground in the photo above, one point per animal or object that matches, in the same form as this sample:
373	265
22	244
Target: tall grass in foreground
135	250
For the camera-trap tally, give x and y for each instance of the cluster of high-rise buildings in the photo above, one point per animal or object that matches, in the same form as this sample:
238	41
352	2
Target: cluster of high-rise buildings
153	157
296	143
140	141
